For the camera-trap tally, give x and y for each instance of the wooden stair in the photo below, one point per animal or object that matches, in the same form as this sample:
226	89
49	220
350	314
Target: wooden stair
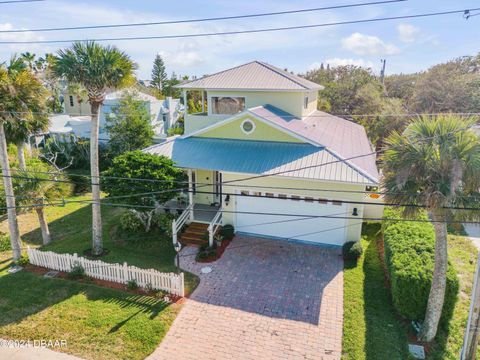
193	234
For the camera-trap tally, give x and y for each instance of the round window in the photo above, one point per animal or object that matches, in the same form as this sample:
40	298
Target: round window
248	126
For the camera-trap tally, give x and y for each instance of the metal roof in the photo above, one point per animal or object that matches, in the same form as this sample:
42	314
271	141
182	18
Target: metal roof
255	75
343	137
259	158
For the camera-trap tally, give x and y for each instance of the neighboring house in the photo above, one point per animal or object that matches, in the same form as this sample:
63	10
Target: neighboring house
261	152
165	113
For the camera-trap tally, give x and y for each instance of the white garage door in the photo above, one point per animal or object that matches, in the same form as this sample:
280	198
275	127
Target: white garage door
315	230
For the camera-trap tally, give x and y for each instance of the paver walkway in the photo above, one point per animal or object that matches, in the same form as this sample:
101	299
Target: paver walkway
264	299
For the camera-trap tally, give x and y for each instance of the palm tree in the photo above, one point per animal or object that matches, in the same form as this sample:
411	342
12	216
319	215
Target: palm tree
97	68
29	59
36	121
435	163
37	188
19	94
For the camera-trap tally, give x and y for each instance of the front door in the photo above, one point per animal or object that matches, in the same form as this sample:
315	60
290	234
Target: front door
217	187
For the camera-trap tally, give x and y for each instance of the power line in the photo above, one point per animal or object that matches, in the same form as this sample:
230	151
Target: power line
19	1
237	32
201	19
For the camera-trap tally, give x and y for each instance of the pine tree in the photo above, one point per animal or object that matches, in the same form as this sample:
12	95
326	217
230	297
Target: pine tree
159	74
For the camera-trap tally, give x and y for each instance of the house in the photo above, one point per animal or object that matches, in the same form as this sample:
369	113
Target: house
261	157
165	113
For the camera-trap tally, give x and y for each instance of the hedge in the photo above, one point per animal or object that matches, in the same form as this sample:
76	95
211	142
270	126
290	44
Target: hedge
409	258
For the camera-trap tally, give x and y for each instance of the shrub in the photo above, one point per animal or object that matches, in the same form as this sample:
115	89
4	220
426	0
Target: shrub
409	257
352	250
130	222
80	180
76	272
227	232
5	242
24	260
163	222
132	284
205	252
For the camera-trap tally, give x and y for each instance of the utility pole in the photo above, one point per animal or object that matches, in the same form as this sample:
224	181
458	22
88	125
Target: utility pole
470	340
382	72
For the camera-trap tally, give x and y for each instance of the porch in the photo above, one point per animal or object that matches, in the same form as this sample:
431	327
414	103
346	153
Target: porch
202	213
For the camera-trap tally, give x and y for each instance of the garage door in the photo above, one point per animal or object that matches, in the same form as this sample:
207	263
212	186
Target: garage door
315	230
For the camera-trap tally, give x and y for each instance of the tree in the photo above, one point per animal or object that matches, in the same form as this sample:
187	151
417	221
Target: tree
38	188
130	125
159	74
29	59
170	89
343	85
97	68
19	94
435	164
36	121
137	164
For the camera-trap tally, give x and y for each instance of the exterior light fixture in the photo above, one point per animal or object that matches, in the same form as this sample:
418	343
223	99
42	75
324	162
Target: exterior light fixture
177	246
355	212
227	200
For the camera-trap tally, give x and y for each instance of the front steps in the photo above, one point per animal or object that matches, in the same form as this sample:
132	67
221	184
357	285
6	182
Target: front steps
194	234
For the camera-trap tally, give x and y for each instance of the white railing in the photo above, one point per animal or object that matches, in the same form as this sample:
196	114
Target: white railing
178	223
214	225
170	282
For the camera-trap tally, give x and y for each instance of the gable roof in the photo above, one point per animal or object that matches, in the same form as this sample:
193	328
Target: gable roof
292	160
255	75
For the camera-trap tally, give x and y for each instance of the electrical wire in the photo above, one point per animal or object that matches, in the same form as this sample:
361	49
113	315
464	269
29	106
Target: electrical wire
19	1
237	32
169	22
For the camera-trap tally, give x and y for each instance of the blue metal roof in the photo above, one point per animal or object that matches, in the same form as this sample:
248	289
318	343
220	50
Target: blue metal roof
259	157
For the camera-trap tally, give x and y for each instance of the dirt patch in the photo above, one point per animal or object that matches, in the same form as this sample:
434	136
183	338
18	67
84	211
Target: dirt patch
219	250
89	253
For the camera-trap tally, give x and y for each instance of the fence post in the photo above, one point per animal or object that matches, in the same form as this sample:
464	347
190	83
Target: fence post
75	260
182	284
125	272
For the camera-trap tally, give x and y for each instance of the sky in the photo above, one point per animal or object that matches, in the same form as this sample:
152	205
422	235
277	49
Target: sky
408	45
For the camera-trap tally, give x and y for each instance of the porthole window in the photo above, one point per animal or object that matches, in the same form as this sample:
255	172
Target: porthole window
247	126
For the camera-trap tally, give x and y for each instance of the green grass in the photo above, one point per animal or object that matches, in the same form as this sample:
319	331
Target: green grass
463	255
98	323
371	329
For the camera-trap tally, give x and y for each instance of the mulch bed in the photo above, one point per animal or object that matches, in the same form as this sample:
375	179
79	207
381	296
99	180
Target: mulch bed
107	284
219	252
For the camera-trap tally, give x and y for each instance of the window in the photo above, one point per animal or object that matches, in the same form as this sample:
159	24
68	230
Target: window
227	105
269	195
305	102
308	199
336	202
295	197
257	193
244	193
282	196
247	126
323	201
70	98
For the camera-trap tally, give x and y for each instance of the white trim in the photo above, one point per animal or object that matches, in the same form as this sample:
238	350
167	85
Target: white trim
248	112
247	121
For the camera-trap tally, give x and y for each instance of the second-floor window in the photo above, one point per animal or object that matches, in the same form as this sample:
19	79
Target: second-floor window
227	105
71	100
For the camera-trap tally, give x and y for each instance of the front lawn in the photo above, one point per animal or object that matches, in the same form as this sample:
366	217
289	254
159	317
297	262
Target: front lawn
372	330
98	323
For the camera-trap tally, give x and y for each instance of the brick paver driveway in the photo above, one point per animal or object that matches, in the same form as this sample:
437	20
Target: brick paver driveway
264	299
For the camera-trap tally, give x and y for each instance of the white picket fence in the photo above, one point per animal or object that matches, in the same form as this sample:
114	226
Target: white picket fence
170	282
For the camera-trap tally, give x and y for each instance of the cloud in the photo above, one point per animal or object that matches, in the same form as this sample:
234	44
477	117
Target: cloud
361	44
341	62
407	33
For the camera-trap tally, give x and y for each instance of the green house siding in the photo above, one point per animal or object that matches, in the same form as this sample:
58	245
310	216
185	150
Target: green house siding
262	132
